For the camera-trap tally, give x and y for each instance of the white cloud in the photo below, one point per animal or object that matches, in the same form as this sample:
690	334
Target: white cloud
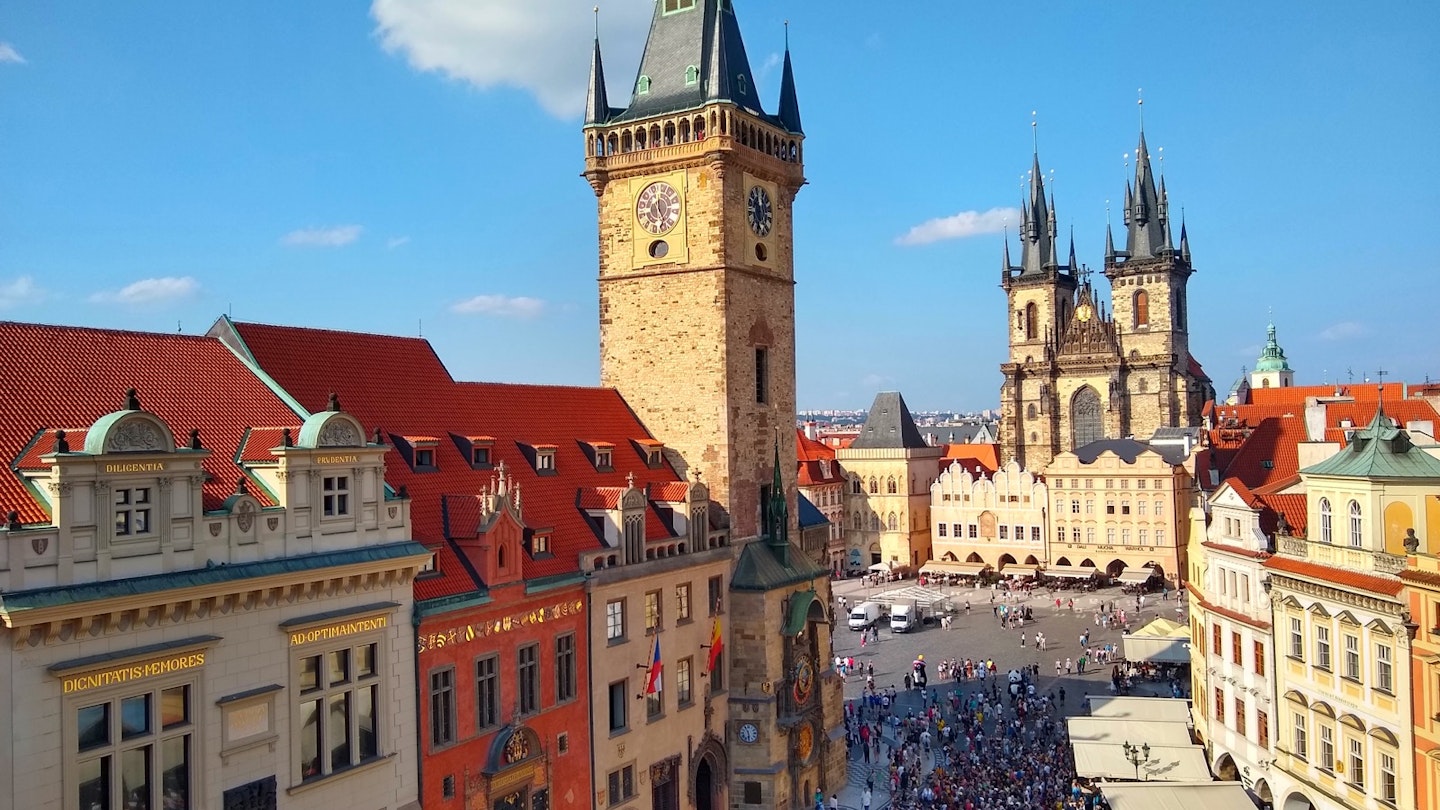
773	61
396	241
542	48
876	381
959	226
149	291
19	292
337	236
502	306
1343	331
8	54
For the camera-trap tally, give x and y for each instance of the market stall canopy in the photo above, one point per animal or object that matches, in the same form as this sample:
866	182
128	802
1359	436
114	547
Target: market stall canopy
882	567
1070	571
1176	796
1114	731
1172	710
1136	576
1179	763
966	569
1161	641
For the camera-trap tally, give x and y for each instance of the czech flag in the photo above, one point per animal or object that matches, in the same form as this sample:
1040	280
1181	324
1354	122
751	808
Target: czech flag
653	680
717	645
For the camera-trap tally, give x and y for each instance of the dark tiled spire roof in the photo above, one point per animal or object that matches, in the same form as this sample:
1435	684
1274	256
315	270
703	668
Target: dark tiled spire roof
597	101
1145	210
789	102
889	426
705	37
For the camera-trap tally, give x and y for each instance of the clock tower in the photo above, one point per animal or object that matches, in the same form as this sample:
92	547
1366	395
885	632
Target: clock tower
695	183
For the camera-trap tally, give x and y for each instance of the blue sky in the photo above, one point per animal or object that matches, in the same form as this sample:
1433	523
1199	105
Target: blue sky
415	165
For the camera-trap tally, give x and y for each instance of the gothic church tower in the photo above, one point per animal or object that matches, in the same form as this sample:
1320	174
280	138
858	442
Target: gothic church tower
697	306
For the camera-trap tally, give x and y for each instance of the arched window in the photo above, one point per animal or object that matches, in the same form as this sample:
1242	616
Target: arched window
874	522
1142	308
1357	535
890	486
893	522
855	488
692	75
500	557
874	486
1085	417
855	521
1031	411
642	85
1031	318
1326	530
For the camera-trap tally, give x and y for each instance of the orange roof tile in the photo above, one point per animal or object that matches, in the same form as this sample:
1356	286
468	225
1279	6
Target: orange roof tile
1296	395
400	385
1269	453
63	376
1337	576
807	449
258	442
670	492
600	497
44	445
987	455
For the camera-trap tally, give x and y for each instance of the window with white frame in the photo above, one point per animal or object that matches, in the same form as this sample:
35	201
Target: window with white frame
615	620
337	711
1322	647
1356	766
1352	657
133	747
1325	753
1386	787
1357	534
1297	638
132	511
1299	741
1326	527
335	498
1384	668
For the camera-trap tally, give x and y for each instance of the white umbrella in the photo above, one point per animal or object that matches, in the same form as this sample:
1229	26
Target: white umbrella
881	567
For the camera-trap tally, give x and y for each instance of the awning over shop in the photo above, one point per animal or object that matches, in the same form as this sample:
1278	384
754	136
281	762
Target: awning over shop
1161	641
882	568
1136	576
965	569
1174	710
1070	571
1185	763
1115	731
1203	795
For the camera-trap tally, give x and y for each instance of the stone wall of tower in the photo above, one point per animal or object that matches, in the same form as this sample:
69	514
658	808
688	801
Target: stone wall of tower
1034	439
1164	283
678	338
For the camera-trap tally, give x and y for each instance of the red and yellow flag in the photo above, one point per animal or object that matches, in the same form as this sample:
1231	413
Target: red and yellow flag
717	645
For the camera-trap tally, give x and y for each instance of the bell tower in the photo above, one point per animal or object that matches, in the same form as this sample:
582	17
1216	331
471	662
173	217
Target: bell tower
1041	297
695	183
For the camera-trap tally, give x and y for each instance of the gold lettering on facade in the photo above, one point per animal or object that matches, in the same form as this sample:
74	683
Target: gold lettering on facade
340	630
494	627
148	466
337	459
133	672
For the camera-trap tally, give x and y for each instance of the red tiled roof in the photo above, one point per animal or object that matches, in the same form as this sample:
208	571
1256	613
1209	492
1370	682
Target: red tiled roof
807	449
1423	577
1269	453
1236	550
1233	615
1296	395
601	497
43	446
400	385
260	441
1337	576
1292	505
62	376
414	440
655	526
810	474
1360	414
987	455
670	492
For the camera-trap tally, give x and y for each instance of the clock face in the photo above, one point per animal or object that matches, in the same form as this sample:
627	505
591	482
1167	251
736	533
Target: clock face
805	743
1083	313
804	679
749	733
759	210
658	208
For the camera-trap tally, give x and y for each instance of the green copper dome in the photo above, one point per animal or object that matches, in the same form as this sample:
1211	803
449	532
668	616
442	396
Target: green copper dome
1272	357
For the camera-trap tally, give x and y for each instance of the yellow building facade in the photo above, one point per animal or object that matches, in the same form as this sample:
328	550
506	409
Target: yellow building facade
981	522
891	469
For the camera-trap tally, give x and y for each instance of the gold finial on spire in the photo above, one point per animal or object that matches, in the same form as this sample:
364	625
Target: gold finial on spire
1034	130
1140	103
787	35
596	10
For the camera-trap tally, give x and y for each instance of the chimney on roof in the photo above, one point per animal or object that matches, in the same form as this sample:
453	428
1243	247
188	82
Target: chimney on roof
242	486
334	402
61	445
285	439
132	400
195	439
379	437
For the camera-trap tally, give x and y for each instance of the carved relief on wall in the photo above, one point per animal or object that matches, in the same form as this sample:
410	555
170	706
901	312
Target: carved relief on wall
338	433
245	519
135	435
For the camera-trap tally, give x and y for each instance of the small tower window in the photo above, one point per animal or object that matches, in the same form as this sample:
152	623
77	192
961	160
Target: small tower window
1031	319
741	85
692	75
1142	309
642	85
762	374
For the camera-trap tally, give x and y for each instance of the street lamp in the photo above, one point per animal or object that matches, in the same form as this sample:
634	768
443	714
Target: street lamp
1136	755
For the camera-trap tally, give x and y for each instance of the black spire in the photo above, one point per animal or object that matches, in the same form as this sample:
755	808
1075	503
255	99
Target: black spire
789	102
1184	242
597	102
693	56
778	529
1145	209
1037	229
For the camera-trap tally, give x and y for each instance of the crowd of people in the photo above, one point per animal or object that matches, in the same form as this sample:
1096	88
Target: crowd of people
1000	745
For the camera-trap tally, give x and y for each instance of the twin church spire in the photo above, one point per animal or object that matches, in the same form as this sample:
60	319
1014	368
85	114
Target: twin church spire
694	56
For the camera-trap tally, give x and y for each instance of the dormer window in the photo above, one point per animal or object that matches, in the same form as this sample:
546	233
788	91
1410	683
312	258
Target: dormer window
480	456
545	459
602	454
653	453
541	544
132	511
824	468
479	449
422	452
642	86
603	458
425	458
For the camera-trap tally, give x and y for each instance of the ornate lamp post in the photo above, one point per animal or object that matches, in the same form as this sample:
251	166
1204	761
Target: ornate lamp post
1136	755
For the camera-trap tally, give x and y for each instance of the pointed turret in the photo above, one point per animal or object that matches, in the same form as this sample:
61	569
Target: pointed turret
1110	245
1037	235
1005	262
728	77
777	526
1146	237
789	101
1073	265
1184	242
597	101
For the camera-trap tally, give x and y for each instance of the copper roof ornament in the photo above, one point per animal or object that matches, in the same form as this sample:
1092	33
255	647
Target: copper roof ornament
132	400
334	402
286	440
195	439
61	444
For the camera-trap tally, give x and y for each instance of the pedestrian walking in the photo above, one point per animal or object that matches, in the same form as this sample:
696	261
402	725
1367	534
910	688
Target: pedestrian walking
865	799
1022	639
1068	666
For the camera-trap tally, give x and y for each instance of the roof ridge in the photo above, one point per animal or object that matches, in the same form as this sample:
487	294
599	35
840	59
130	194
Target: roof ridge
135	332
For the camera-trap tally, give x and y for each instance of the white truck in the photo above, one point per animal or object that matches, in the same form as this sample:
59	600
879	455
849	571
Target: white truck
864	615
904	616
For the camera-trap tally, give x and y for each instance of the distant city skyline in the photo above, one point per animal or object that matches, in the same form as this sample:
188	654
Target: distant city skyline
413	168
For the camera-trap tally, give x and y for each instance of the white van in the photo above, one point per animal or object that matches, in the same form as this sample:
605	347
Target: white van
864	615
904	617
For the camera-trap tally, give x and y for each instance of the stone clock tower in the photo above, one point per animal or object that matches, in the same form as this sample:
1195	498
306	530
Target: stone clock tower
697	306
